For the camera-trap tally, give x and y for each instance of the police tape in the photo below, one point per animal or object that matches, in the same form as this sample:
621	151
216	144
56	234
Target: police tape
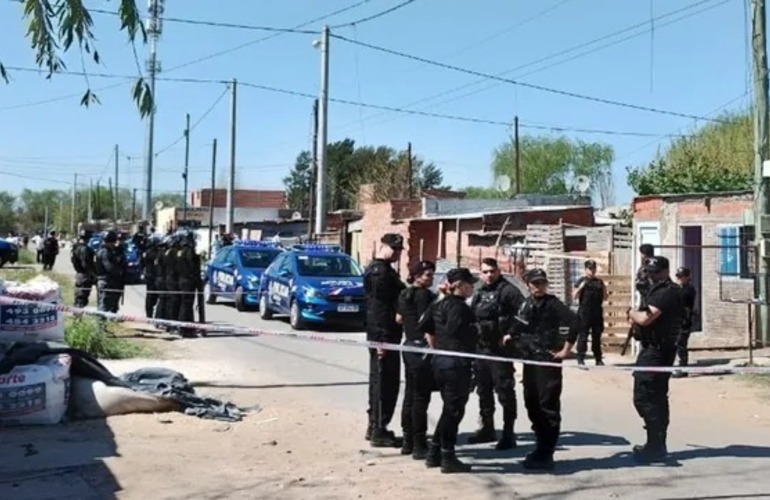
314	337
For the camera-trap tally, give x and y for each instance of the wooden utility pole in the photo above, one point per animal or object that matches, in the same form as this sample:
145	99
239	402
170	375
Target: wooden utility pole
314	172
211	195
517	154
133	206
112	195
74	203
231	178
115	193
761	155
409	173
186	164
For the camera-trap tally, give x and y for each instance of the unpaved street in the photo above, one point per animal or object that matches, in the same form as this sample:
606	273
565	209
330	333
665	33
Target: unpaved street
307	441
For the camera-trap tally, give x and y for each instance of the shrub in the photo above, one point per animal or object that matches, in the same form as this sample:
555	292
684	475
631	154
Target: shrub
90	335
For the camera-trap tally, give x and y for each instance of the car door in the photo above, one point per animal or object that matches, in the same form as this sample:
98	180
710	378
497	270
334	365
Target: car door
282	282
270	281
219	271
230	269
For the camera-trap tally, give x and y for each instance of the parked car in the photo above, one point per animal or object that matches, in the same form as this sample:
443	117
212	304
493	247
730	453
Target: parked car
236	271
9	252
313	284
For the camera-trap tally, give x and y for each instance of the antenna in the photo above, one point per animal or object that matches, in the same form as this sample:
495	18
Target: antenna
582	184
158	205
296	216
502	183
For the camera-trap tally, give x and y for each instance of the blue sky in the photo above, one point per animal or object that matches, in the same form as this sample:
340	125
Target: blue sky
695	65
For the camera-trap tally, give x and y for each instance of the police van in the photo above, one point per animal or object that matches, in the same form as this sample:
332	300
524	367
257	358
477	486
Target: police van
236	270
313	284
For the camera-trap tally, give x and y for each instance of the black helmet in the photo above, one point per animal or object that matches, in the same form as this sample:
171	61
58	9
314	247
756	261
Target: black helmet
110	237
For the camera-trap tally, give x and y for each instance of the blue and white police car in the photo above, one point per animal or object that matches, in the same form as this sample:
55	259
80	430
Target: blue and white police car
313	284
236	270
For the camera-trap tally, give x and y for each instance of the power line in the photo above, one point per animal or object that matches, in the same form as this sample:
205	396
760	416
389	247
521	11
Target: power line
375	16
541	88
57	99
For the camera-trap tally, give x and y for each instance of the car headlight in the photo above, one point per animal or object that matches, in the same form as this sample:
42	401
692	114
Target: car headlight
310	292
252	280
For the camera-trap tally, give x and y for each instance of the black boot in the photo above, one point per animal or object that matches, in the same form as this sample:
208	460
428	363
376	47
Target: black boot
581	360
369	428
433	459
654	451
383	438
486	433
408	445
539	460
508	440
420	447
451	465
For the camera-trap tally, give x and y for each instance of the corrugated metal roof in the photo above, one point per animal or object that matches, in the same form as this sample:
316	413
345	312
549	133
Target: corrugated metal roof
479	215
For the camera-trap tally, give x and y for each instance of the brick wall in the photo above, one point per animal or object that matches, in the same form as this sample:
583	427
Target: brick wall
724	324
242	198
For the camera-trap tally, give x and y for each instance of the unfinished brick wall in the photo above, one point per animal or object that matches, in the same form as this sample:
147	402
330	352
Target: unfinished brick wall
242	198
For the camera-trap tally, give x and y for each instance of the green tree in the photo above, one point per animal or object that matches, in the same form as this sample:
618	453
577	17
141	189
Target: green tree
54	26
299	182
7	213
716	157
548	165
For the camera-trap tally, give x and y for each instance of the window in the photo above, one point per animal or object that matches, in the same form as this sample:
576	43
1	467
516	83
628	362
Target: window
222	255
736	255
258	259
327	266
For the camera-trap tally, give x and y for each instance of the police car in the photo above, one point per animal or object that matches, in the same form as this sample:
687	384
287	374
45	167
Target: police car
9	252
236	270
313	284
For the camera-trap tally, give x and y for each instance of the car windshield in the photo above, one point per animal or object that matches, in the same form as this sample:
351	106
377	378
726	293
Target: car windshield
327	266
258	259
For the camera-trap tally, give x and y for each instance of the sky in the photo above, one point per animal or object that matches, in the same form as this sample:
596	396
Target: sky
696	62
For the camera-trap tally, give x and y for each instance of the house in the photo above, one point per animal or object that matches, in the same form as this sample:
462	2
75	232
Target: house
242	198
711	234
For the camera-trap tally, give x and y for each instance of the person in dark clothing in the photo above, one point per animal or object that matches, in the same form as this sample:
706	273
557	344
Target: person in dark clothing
151	272
50	251
537	338
189	272
83	261
659	326
590	292
455	330
414	302
642	282
688	295
495	306
110	273
382	286
171	279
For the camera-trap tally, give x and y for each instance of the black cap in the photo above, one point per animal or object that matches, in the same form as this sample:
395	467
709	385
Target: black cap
657	264
393	240
535	275
110	237
590	264
646	249
460	274
419	267
683	272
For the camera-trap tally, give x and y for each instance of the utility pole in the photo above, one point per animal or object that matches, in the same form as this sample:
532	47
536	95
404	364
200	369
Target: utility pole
314	171
112	195
323	106
74	202
211	196
90	200
115	193
517	153
97	200
231	180
409	173
186	163
133	206
154	28
45	222
761	155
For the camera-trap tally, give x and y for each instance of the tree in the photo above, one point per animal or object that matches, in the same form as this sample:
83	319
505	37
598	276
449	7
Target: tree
549	164
55	25
299	182
717	157
7	213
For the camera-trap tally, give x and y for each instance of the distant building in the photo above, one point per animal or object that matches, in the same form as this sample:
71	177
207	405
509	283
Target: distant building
242	198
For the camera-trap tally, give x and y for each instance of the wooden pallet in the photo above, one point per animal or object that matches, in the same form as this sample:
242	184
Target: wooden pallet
548	239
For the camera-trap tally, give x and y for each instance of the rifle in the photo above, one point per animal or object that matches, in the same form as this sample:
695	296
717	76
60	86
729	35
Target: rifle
627	342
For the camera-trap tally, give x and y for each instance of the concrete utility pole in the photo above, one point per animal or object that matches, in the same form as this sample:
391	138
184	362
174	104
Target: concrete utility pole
314	171
133	206
231	181
90	200
74	202
186	164
154	28
115	194
323	106
409	173
112	195
211	196
761	155
517	152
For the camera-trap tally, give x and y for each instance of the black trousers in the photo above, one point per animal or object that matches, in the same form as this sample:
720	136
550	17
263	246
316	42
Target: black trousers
109	300
542	397
651	389
384	384
173	301
494	377
682	340
453	377
83	285
419	383
161	308
186	301
592	326
49	260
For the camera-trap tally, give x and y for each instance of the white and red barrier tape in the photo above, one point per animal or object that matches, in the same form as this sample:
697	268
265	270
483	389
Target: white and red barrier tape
314	337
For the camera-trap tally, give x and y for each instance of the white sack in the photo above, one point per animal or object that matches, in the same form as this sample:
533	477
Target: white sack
29	322
94	399
36	394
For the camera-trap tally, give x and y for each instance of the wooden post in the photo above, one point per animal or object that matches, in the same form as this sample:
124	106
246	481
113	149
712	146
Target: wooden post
422	249
500	236
458	245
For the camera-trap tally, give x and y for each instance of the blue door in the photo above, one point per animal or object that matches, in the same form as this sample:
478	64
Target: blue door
223	274
280	283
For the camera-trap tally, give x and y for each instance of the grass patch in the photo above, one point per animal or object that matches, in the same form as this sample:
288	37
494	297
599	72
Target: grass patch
91	335
27	256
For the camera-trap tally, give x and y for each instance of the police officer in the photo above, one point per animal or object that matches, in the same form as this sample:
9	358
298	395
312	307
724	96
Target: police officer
688	295
590	292
642	281
537	338
83	261
161	310
495	306
414	302
659	325
110	273
50	251
189	272
382	287
171	279
151	271
455	330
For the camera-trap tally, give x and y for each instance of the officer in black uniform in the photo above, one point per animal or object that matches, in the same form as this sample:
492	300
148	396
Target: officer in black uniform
537	338
495	305
110	273
413	302
455	330
688	295
382	287
83	261
171	279
151	271
189	271
642	281
161	310
659	326
50	251
590	292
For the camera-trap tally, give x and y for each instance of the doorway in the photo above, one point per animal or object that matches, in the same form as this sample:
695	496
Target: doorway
691	238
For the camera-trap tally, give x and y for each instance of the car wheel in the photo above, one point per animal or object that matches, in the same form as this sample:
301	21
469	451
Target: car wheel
239	304
264	309
295	316
210	297
2	261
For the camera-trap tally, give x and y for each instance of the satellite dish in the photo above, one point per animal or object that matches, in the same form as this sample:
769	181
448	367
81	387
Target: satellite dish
582	184
158	205
296	216
502	183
